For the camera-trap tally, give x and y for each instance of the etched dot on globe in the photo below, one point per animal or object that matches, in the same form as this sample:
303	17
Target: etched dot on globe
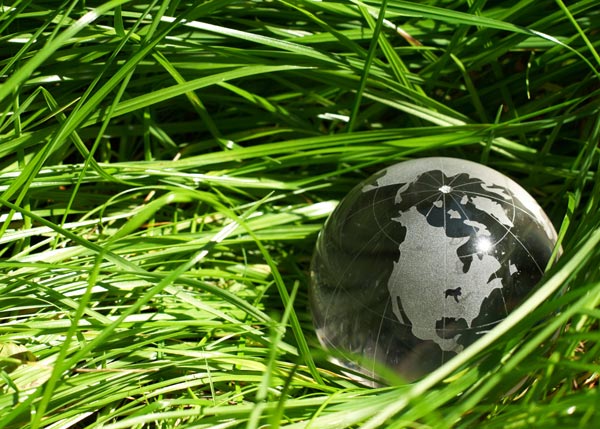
422	259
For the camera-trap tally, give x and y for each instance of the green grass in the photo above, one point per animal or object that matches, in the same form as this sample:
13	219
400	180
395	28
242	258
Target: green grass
165	167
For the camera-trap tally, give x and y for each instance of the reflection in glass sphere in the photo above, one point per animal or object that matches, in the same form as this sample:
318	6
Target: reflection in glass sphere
423	258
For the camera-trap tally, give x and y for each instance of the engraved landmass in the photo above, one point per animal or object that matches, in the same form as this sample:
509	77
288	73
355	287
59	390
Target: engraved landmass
444	278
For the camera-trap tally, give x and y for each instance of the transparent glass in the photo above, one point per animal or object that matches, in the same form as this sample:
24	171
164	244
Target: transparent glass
420	260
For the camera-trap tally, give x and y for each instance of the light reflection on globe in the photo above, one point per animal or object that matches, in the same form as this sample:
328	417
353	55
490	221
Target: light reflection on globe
421	259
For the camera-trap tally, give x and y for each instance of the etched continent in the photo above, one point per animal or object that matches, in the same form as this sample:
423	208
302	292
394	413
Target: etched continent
447	263
443	290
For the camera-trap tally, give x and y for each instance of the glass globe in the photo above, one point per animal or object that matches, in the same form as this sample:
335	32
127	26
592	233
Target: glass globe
420	260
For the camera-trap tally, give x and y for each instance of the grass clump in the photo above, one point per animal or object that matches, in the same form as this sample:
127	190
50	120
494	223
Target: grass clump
165	167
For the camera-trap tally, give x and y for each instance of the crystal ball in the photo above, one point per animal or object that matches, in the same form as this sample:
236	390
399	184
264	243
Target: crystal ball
420	260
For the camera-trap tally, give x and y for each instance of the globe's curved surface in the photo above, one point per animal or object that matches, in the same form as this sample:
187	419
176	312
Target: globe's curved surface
421	259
